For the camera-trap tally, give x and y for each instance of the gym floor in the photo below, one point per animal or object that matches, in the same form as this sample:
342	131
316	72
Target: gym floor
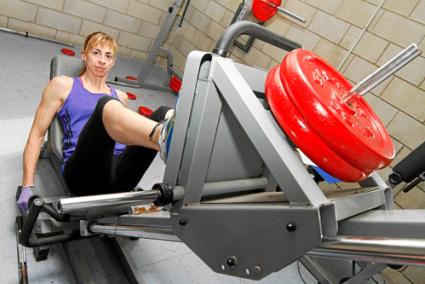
24	63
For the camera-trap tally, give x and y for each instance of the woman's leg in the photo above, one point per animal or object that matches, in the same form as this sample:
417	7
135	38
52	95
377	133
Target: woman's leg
135	160
128	127
92	169
88	170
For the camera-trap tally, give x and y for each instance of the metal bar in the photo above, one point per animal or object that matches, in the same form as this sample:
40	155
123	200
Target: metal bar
162	36
221	187
21	254
248	28
82	203
376	245
142	231
361	34
373	249
35	209
286	12
26	34
354	204
266	136
290	14
366	273
382	73
316	270
398	224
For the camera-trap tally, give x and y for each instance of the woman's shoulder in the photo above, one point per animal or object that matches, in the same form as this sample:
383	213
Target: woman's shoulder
61	81
122	96
61	85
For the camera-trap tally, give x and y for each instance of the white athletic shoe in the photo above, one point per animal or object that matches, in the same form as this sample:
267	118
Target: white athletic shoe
166	134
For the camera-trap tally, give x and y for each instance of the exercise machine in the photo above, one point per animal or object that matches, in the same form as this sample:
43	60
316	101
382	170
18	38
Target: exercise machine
151	76
261	11
236	190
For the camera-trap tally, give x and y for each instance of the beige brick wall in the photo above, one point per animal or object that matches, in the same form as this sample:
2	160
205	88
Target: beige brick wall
135	24
331	29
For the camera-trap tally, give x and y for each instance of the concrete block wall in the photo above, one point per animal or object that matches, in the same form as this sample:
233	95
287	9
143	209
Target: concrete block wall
135	24
331	29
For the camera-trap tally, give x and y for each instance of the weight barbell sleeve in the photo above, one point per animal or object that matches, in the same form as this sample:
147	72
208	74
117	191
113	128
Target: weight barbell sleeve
286	12
83	203
382	73
384	250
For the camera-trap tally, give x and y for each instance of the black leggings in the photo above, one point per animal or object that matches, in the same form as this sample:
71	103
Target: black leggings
94	169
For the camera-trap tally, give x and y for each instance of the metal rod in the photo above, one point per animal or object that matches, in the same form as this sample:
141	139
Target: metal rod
284	11
26	34
249	28
142	231
222	187
361	34
34	211
382	73
83	203
21	254
383	250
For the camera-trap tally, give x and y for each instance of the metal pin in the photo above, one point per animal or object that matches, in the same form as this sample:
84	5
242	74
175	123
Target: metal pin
382	73
286	12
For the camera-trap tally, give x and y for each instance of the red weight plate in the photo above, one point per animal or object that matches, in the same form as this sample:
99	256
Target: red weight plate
350	128
291	120
131	96
68	51
175	84
132	78
263	11
145	111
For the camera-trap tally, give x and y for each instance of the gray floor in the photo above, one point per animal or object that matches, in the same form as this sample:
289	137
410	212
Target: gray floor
24	67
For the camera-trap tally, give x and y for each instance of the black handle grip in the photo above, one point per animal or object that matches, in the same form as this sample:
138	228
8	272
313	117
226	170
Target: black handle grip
256	31
410	167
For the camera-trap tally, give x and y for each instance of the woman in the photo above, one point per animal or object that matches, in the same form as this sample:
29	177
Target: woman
96	126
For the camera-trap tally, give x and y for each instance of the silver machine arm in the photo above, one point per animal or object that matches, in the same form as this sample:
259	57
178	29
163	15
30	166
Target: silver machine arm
237	193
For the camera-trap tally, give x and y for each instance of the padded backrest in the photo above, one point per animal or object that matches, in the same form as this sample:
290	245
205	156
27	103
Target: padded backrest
60	65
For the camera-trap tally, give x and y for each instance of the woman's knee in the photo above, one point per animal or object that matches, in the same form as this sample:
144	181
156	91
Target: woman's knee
159	113
102	102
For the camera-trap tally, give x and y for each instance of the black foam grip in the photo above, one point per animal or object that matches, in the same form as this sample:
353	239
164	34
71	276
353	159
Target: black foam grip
413	165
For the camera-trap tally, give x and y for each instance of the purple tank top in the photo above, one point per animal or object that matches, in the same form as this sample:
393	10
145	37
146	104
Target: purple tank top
74	114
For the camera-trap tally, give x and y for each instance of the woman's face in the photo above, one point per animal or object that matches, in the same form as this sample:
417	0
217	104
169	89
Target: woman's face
99	60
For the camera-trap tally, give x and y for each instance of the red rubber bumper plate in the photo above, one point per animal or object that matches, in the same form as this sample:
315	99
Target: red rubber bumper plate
131	96
298	130
350	128
263	11
145	111
68	51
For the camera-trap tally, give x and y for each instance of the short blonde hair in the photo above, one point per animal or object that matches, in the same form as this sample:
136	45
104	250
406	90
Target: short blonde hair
98	38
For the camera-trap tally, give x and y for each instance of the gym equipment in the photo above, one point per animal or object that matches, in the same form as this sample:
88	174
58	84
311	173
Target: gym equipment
145	111
27	34
68	51
262	10
175	84
411	170
236	191
151	75
131	96
353	137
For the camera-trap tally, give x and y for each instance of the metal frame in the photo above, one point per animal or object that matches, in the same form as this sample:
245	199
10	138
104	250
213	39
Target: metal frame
222	98
227	160
154	52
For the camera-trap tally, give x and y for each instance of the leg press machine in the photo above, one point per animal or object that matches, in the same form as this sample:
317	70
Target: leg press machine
235	189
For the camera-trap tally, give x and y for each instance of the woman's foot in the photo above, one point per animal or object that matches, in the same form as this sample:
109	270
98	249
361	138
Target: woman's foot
166	134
